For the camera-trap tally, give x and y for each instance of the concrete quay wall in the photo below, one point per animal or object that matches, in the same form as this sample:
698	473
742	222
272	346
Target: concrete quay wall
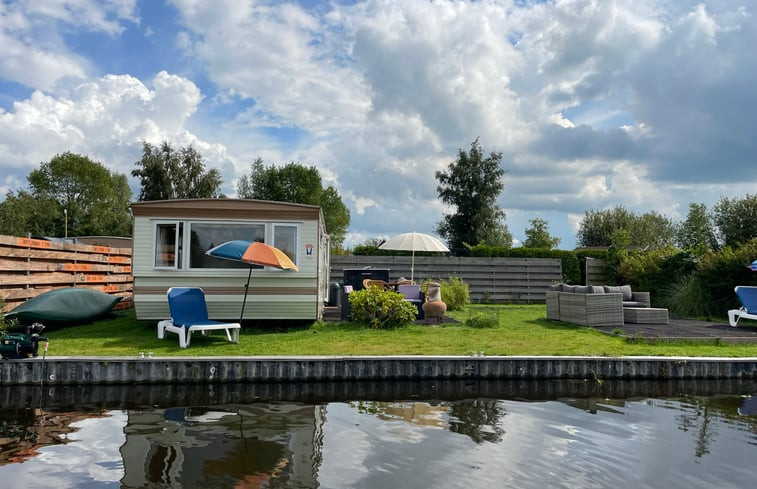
170	370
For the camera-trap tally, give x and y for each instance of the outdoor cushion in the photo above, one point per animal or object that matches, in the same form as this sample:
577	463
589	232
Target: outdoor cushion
597	289
555	287
582	289
622	289
568	288
634	304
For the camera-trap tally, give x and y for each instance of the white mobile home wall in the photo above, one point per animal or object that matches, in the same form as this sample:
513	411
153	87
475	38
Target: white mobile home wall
273	293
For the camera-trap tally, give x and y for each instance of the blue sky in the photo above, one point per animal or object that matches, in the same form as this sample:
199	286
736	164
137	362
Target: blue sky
593	104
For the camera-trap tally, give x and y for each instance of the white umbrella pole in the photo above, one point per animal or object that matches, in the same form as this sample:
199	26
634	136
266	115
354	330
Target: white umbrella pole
412	267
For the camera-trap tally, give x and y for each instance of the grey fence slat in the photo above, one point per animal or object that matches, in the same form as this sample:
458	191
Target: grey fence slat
595	271
516	280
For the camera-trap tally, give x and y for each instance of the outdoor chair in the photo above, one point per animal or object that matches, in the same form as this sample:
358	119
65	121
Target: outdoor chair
412	293
748	297
189	313
369	282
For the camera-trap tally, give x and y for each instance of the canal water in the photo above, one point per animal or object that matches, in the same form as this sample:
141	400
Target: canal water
432	434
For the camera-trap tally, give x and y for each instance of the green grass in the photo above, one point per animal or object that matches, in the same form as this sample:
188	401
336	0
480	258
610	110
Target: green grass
522	330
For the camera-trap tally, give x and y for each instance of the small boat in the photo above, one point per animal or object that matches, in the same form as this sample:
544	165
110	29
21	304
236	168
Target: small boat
64	307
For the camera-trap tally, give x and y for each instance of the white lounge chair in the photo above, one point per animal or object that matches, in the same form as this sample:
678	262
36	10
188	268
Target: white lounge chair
748	297
189	313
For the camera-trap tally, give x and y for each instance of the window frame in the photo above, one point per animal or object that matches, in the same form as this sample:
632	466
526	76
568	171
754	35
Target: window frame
183	237
178	244
297	226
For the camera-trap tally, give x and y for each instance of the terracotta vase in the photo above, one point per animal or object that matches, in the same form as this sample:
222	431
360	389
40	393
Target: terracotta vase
434	310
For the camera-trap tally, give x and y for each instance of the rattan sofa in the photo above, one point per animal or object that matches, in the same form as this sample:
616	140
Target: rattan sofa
592	305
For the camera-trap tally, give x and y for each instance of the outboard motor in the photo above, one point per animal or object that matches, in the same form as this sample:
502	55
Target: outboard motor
22	341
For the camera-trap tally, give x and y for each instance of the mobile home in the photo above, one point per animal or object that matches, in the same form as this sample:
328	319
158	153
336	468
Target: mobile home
172	236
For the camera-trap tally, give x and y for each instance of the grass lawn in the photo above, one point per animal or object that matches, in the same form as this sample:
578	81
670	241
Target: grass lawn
521	330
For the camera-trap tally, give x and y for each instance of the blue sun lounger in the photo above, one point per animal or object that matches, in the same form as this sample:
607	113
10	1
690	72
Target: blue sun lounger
748	297
189	313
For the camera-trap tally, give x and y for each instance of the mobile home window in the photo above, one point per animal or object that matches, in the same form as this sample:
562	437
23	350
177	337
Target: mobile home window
168	247
204	236
285	239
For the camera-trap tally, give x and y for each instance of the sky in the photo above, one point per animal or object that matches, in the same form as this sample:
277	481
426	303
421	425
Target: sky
648	104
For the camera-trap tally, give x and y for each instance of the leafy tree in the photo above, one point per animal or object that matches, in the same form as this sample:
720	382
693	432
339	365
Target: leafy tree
472	184
619	226
597	226
298	184
537	236
22	213
736	220
652	230
166	173
696	233
70	194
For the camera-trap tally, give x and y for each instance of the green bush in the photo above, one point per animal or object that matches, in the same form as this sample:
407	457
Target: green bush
381	308
688	298
720	272
688	285
657	271
455	293
481	320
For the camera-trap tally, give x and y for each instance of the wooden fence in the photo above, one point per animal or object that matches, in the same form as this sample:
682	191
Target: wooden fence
29	267
595	272
501	280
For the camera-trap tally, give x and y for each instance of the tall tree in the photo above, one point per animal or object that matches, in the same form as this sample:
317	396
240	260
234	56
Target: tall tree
696	233
537	236
472	184
70	194
611	226
165	173
597	226
298	184
736	219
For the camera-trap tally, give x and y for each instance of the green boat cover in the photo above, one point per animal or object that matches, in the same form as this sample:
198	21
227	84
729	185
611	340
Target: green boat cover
64	307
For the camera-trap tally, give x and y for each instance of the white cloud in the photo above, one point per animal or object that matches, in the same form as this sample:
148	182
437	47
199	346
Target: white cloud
105	119
34	51
592	103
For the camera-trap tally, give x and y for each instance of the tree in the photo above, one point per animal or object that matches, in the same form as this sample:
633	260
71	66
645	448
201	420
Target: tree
597	226
612	226
298	184
537	236
472	184
696	233
652	230
70	195
22	213
736	220
165	173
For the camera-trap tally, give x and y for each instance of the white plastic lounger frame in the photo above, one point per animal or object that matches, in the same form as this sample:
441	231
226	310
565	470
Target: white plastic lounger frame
189	314
748	297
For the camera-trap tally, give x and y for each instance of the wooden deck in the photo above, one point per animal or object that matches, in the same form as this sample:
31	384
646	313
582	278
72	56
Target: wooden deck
689	330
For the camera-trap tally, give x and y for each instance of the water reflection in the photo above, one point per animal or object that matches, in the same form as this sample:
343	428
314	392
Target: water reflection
137	437
265	444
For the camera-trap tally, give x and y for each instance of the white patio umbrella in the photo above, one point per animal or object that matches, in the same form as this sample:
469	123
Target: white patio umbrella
413	242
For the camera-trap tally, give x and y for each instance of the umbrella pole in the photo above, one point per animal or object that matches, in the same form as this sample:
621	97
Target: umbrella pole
244	301
412	267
